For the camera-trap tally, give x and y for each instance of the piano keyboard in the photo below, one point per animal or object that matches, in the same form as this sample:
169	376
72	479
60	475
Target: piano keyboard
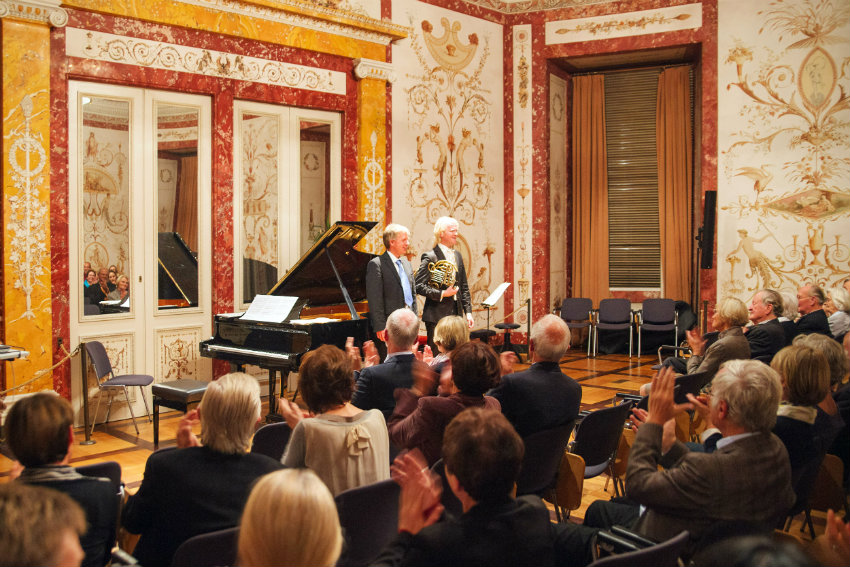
251	351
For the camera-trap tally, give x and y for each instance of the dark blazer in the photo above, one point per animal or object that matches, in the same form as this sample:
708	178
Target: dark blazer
790	328
384	291
100	502
508	532
95	293
814	322
434	309
539	398
766	339
747	480
420	422
374	386
186	492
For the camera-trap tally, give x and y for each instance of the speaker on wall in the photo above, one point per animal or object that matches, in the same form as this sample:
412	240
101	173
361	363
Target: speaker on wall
706	242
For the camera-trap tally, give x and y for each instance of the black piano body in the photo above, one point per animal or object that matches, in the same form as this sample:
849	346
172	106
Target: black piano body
329	280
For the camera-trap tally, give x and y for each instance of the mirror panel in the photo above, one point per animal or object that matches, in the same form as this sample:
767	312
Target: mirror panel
177	130
105	208
314	155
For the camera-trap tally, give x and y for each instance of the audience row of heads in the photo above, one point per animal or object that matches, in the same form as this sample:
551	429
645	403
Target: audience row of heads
103	275
809	298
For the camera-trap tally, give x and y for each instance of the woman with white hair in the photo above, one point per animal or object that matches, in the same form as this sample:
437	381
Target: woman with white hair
290	520
789	315
837	307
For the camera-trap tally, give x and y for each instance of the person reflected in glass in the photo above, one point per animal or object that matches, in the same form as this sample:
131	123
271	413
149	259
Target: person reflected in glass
122	289
91	278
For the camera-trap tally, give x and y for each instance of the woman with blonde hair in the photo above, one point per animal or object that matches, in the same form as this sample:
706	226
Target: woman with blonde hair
450	332
290	519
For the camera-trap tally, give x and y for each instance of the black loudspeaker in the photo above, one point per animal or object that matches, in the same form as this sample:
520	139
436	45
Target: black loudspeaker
706	242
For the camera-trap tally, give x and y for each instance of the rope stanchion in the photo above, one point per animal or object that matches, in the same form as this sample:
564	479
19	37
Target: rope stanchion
40	373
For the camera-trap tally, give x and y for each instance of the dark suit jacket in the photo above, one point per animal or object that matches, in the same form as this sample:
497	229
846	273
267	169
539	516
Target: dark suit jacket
186	492
509	532
100	502
420	422
384	291
790	328
95	293
434	309
766	339
374	386
539	398
748	480
814	322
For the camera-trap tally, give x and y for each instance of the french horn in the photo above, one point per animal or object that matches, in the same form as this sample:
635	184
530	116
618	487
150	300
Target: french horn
443	274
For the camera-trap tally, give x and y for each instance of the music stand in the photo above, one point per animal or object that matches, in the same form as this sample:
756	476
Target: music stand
494	297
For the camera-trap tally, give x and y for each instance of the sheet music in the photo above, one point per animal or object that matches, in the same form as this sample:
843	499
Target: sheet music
494	297
270	308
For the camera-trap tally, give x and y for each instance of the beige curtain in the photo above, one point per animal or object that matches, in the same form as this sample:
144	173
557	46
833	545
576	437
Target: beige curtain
675	181
590	189
186	202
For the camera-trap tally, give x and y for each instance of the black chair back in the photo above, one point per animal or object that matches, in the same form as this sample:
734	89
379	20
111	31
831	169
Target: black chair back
598	436
208	550
576	310
659	311
543	453
271	440
615	310
369	519
106	469
664	554
99	359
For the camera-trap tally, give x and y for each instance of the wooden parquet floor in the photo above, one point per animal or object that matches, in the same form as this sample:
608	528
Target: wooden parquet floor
601	378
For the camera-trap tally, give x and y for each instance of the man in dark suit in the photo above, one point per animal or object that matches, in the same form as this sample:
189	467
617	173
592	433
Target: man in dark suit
389	283
374	385
198	489
99	291
766	336
435	267
482	455
541	397
810	300
746	479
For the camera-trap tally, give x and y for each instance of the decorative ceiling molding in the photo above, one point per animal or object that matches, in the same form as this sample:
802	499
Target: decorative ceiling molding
370	69
43	11
160	55
523	6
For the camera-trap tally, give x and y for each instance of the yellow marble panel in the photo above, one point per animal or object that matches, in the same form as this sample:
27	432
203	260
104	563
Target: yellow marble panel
372	158
26	200
337	41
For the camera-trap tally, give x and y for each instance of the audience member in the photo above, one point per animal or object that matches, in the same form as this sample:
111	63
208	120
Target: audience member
766	336
747	478
753	550
541	397
345	446
40	433
90	278
113	278
451	332
810	300
86	268
838	307
832	548
789	315
122	289
39	527
483	455
198	488
730	315
99	290
374	385
419	420
290	520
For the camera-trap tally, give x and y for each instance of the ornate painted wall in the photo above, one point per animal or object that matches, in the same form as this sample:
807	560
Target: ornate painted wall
447	119
784	142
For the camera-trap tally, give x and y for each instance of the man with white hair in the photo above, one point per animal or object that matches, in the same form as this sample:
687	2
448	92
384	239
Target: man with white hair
441	278
810	300
374	385
541	397
746	479
389	283
196	488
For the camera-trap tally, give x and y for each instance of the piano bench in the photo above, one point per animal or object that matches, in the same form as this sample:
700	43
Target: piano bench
178	395
482	335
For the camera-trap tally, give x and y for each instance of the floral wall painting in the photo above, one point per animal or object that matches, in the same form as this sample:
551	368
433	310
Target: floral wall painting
447	114
784	137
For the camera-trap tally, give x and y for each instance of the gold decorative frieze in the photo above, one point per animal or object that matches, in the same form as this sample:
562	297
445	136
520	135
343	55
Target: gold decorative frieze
370	69
688	16
43	11
160	55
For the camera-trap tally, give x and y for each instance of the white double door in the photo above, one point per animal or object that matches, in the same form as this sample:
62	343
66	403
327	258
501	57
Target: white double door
139	174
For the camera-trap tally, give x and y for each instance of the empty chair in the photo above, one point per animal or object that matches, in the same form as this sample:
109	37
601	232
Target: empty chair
658	315
613	315
368	516
271	440
664	554
543	453
102	367
576	312
208	550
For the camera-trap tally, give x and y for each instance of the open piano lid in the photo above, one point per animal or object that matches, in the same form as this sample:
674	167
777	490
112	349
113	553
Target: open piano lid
313	278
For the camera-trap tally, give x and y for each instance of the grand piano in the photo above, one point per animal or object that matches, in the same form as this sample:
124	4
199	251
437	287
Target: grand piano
329	280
